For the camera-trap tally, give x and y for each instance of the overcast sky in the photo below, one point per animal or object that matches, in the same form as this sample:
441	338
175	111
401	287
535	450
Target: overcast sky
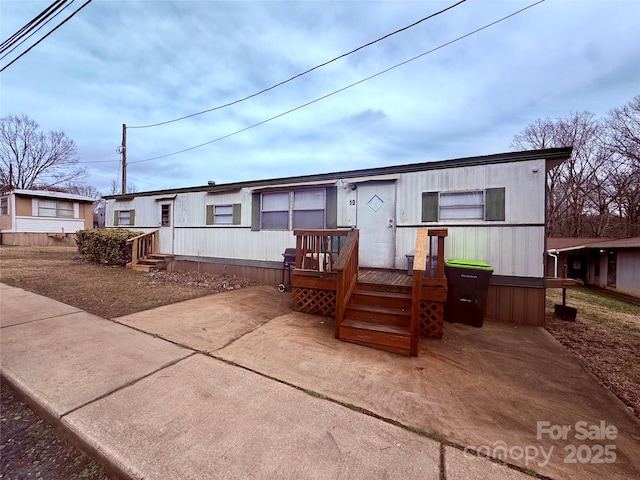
145	62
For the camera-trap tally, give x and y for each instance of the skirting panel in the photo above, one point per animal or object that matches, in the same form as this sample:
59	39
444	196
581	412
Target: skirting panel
266	276
521	305
39	239
431	317
314	301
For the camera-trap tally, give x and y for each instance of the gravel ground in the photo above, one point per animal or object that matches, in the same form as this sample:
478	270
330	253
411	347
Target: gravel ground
31	448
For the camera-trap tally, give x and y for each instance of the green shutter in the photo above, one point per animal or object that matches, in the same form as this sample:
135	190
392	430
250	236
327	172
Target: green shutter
115	218
255	212
132	217
209	215
237	211
495	204
331	213
429	206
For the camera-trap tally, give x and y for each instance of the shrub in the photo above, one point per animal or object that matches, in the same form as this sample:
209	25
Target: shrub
108	247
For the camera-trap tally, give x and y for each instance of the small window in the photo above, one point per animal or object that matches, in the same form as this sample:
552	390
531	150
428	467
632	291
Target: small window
124	217
166	215
4	206
65	209
462	205
486	205
223	214
46	208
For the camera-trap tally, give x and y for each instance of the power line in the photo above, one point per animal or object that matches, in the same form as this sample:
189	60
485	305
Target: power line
345	88
45	13
14	41
303	73
32	46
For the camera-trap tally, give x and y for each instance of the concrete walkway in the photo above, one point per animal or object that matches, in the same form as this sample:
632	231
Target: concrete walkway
236	385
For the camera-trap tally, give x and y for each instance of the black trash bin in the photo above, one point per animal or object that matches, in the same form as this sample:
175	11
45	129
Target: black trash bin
468	284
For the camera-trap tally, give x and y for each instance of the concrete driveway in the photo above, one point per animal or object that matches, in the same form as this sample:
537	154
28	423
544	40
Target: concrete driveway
236	385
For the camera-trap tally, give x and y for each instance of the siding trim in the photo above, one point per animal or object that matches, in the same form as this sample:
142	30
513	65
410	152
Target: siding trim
481	223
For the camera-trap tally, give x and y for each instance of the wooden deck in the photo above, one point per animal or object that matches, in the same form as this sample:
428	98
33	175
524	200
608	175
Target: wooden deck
385	277
384	309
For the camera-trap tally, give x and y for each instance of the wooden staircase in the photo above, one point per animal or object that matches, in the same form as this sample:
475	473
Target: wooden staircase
145	256
379	316
153	262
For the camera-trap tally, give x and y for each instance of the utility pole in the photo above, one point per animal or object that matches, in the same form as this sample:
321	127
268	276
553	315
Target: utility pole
124	158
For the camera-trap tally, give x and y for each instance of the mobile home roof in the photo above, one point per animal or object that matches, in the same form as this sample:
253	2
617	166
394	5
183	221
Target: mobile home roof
553	156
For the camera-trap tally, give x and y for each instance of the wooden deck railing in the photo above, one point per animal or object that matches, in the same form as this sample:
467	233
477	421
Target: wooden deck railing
142	245
347	268
429	280
318	249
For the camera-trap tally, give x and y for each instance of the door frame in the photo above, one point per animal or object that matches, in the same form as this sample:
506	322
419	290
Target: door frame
361	203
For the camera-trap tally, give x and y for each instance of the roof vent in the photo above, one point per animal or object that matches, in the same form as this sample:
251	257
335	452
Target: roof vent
211	183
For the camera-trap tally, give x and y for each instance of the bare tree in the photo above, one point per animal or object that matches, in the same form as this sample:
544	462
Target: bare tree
578	187
623	129
32	159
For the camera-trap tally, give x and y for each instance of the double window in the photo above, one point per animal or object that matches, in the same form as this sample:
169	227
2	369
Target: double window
486	205
293	209
55	208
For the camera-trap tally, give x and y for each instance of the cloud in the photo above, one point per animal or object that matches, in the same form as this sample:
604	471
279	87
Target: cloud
143	62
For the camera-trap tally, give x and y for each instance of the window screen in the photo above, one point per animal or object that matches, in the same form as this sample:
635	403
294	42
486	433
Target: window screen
462	205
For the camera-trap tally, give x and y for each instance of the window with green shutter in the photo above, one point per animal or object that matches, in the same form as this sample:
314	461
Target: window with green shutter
495	204
230	214
123	218
429	206
488	205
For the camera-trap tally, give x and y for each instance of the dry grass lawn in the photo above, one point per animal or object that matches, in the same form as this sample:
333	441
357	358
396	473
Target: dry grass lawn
606	338
606	335
59	273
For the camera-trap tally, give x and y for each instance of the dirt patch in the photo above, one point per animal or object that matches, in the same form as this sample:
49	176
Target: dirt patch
110	292
31	448
605	337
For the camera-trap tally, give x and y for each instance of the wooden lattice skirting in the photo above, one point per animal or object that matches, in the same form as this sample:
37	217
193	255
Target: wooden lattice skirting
431	318
314	301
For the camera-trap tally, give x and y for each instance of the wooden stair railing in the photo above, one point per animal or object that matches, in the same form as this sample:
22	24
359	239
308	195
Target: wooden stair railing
429	292
347	269
313	279
144	253
387	317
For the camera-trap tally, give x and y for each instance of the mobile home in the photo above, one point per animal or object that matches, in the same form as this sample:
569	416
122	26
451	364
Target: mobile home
41	218
493	208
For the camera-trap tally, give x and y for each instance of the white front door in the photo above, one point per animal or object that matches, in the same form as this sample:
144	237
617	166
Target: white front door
166	228
376	220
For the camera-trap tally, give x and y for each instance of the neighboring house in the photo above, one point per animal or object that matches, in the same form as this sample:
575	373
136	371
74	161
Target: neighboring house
38	217
603	262
493	207
98	217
